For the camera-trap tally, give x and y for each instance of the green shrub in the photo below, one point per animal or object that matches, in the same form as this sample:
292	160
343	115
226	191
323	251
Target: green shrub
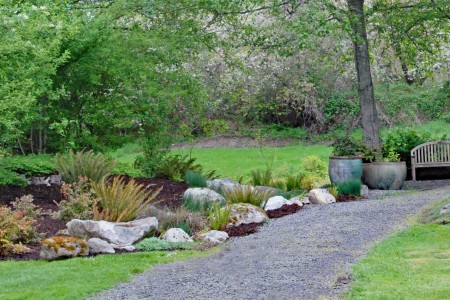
260	177
350	187
313	164
175	167
247	194
294	182
195	179
219	217
127	169
93	166
117	201
79	199
156	244
11	178
346	146
30	165
278	183
334	190
195	221
17	226
312	181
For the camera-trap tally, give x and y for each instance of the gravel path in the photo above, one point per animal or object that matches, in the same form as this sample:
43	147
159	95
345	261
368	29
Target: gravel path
299	256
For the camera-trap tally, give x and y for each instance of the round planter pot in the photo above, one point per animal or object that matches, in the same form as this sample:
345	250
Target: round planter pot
343	168
384	175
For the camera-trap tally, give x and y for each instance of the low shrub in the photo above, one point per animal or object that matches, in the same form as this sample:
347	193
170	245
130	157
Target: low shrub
17	226
246	194
350	187
196	179
79	199
195	221
333	190
156	244
175	167
313	164
260	177
219	217
118	201
8	177
311	181
29	165
294	182
93	166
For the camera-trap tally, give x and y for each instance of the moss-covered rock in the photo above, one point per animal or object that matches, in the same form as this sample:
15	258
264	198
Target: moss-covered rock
63	246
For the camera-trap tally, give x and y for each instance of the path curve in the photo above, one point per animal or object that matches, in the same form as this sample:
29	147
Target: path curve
299	256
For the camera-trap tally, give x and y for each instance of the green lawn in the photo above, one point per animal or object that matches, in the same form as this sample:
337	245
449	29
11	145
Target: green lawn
237	162
78	277
412	264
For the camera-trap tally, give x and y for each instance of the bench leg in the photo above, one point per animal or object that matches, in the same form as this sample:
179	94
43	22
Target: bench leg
413	171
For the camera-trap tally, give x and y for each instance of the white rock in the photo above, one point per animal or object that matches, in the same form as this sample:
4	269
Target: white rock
213	236
119	233
63	246
97	245
127	248
176	235
320	196
276	203
203	195
445	210
299	201
364	191
244	213
220	184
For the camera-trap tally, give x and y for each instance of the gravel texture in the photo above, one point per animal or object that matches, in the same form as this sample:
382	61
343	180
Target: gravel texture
305	255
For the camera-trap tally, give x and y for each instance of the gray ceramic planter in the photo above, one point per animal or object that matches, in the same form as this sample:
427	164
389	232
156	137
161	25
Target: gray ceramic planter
384	175
343	168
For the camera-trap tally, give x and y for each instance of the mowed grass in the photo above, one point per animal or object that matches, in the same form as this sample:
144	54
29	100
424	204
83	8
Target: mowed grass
78	277
239	162
412	264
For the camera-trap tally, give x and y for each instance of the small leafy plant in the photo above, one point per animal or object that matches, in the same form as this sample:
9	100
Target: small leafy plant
246	194
219	217
156	244
334	190
346	146
350	187
117	201
392	156
93	166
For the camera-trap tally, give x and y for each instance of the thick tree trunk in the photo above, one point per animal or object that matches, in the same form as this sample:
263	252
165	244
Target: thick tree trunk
371	136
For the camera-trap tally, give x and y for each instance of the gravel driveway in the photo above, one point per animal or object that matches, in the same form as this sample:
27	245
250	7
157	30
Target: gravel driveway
299	256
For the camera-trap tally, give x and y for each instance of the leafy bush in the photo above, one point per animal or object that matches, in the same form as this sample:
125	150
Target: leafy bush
118	201
333	190
195	205
246	194
17	226
313	164
11	178
311	181
156	244
127	169
195	179
93	166
219	217
79	200
175	167
346	146
260	177
30	165
172	219
350	187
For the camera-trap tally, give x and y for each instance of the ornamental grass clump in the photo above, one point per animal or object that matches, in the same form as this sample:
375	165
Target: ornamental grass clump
247	194
117	201
260	177
196	205
196	179
88	164
181	217
350	187
219	217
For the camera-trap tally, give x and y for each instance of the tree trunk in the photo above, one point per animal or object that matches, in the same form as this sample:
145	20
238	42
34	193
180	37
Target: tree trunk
371	136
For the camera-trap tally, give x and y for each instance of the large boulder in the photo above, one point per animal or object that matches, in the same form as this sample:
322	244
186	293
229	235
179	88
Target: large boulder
213	237
176	235
244	213
97	245
119	233
63	247
320	196
203	195
219	185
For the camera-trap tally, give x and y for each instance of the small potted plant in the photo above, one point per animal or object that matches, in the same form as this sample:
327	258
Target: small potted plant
387	174
346	162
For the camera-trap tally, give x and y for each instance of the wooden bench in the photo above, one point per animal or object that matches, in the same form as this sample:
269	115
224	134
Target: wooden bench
429	155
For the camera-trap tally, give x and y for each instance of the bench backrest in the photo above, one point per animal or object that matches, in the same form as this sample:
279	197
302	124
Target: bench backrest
432	152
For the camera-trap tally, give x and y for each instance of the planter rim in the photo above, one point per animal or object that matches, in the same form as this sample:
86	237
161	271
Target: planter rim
385	163
345	157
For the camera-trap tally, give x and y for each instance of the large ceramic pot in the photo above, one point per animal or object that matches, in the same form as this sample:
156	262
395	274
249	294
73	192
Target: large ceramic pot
343	168
384	175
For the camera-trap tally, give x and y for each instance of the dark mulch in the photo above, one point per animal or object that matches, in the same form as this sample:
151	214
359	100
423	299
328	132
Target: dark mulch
347	198
44	197
283	211
244	229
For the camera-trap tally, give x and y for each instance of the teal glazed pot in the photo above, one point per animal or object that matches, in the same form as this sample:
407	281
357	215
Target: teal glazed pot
343	168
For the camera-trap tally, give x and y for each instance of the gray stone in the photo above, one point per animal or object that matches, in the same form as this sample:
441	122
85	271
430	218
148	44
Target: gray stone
244	213
40	181
97	245
320	196
364	191
176	235
214	237
219	184
63	246
203	195
55	179
445	210
119	233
